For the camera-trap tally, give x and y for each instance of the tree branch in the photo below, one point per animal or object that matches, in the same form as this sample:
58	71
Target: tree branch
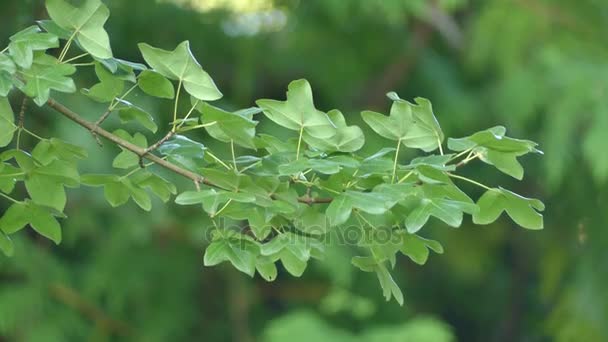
143	153
74	300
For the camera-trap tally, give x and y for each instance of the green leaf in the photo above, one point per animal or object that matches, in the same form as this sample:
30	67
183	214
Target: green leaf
8	177
46	190
259	223
7	125
298	113
98	180
182	146
494	148
15	218
86	22
52	28
339	210
522	210
140	196
293	250
226	126
180	65
239	253
414	125
266	268
116	193
311	221
24	43
127	159
158	185
47	74
374	203
41	218
155	84
417	248
324	166
108	88
6	245
6	83
128	112
292	264
346	139
43	222
389	287
52	149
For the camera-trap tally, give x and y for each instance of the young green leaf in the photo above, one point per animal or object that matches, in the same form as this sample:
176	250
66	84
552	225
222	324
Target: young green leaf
494	148
6	245
417	248
24	43
7	122
108	88
155	84
128	112
339	210
524	211
413	125
85	22
226	126
180	65
298	113
47	74
346	139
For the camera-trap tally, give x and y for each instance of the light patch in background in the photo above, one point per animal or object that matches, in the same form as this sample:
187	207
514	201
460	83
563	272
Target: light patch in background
249	17
237	6
251	24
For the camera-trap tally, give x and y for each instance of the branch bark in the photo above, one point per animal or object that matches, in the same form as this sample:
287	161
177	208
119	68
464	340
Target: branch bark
144	153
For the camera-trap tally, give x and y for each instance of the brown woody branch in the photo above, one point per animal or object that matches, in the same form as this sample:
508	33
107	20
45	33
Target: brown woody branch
197	179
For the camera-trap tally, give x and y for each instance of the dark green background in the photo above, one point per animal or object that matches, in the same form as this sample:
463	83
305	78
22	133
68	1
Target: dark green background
538	67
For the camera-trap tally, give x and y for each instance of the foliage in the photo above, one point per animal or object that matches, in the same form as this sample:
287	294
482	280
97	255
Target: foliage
277	201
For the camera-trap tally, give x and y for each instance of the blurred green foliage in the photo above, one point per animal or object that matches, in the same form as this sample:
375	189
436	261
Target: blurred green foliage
538	66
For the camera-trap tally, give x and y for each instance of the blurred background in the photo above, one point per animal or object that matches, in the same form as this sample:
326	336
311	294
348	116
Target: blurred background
539	67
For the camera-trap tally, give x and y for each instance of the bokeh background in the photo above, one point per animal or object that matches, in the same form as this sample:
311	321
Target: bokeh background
539	67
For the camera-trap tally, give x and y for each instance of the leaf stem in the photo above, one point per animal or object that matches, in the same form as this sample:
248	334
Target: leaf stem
33	134
299	142
179	88
460	154
188	115
405	177
222	208
233	155
439	144
4	50
76	57
116	103
9	198
190	128
218	160
470	181
395	162
83	64
66	47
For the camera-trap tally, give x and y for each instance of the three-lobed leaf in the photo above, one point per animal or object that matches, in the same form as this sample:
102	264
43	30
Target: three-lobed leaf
524	211
86	23
180	65
414	125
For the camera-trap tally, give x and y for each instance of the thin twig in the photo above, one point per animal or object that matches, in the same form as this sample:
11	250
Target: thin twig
99	121
196	178
21	121
154	146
